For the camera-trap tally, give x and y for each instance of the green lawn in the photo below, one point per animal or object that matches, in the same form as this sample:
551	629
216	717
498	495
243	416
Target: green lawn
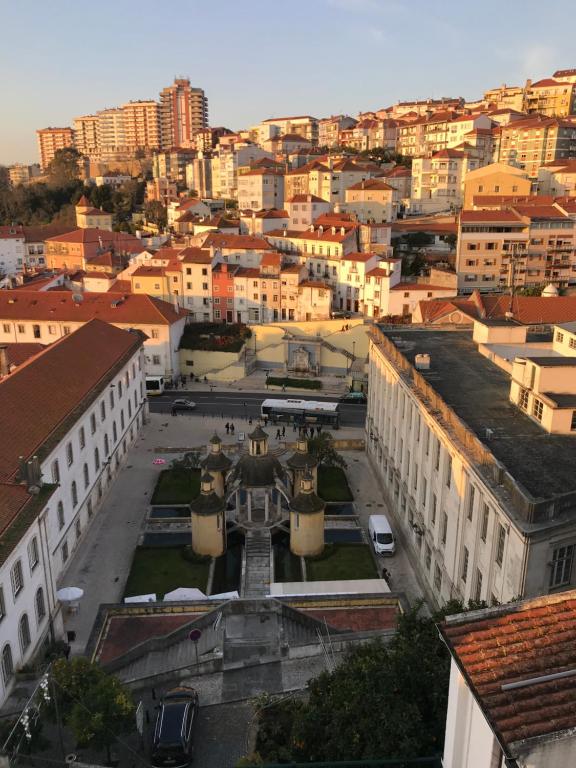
162	569
176	486
342	561
333	485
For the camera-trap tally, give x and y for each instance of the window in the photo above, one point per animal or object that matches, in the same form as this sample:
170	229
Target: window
485	519
66	330
437	456
55	472
449	471
96	459
92	423
89	508
114	432
69	454
36	331
40	605
156	359
444	527
102	410
433	512
464	571
7	664
86	476
155	334
24	633
111	396
6	327
2	604
559	337
78	527
471	496
537	409
562	559
82	438
428	557
21	328
17	578
74	493
573	421
500	545
122	421
60	515
106	446
437	578
523	398
33	557
64	552
478	585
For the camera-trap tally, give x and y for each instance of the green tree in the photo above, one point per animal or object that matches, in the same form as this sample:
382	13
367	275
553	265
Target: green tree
451	239
64	167
156	213
92	703
4	178
322	447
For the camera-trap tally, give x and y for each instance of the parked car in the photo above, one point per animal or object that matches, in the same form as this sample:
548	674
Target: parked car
173	744
183	405
340	315
381	535
354	397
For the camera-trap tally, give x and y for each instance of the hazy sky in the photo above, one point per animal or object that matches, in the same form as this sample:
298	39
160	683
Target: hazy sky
262	58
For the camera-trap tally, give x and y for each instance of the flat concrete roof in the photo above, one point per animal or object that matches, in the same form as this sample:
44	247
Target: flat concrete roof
478	392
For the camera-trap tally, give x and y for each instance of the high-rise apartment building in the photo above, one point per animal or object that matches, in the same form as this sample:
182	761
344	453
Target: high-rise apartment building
86	134
532	142
142	124
111	130
52	139
183	111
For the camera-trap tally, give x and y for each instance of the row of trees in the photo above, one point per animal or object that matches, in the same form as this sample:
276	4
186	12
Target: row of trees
53	201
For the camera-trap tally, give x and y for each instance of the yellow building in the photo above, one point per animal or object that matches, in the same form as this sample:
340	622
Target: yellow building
370	200
494	179
306	520
208	520
88	217
550	97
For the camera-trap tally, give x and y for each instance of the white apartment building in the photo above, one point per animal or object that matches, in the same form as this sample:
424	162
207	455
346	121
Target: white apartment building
260	189
12	250
438	181
476	487
45	316
68	420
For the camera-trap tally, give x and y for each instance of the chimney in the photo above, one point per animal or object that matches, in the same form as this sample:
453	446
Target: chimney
176	305
4	364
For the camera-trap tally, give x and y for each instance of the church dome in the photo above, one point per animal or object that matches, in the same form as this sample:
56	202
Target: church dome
550	291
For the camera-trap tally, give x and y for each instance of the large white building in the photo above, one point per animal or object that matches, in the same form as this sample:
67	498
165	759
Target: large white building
472	435
68	419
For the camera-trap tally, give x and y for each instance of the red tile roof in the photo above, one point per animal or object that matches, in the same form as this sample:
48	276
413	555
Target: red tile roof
120	240
11	232
19	353
540	211
121	286
547	83
369	184
360	257
421	287
41	394
237	242
83	202
511	200
306	198
518	644
455	153
436	309
506	215
193	255
145	271
528	310
138	309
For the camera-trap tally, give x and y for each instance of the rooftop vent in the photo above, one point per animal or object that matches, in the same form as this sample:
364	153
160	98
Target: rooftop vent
116	303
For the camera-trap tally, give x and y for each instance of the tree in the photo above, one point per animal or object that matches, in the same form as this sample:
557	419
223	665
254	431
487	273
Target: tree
322	447
451	239
156	213
64	167
4	178
92	703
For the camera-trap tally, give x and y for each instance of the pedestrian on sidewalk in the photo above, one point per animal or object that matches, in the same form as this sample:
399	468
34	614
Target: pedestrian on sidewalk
227	428
232	428
318	428
278	434
283	431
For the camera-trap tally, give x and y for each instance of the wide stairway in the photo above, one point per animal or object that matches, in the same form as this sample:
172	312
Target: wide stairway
256	581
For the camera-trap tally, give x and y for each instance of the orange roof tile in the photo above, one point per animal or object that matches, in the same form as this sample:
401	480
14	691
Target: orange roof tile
237	242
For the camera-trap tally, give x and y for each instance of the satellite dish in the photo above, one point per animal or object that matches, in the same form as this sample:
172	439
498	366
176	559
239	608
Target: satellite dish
77	298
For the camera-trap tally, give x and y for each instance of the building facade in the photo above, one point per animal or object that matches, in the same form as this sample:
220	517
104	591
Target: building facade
50	140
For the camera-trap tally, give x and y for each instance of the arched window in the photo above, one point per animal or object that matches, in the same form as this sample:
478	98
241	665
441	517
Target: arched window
7	664
60	509
106	446
74	493
96	459
86	476
24	632
114	432
40	605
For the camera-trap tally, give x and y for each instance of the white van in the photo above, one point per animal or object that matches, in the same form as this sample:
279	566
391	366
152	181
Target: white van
381	535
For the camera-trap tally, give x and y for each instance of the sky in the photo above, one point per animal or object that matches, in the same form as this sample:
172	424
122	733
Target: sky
263	58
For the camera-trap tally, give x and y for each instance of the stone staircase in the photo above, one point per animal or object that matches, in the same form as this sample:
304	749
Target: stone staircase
257	553
339	350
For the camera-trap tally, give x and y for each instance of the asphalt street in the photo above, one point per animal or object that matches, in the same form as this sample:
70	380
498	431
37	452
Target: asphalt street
246	404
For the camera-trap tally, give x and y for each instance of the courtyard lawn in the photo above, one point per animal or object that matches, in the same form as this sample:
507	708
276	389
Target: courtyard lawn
333	485
342	561
162	569
176	486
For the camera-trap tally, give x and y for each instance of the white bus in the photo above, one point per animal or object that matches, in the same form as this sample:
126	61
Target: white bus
301	412
154	385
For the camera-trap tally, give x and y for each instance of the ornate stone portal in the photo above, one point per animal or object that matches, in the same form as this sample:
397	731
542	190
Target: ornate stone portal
258	492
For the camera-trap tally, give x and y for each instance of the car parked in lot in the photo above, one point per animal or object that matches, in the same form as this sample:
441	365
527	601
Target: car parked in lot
183	405
354	397
173	742
340	315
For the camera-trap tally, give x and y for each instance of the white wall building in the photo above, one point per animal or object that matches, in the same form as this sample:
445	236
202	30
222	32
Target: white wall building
72	413
12	250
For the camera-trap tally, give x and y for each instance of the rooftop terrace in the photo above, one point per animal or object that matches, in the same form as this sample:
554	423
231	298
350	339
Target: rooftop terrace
478	392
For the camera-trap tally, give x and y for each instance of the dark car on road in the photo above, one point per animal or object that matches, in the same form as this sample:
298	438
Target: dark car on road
173	743
354	397
183	405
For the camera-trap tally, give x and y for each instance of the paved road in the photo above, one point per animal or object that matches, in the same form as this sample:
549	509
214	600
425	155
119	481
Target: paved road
244	404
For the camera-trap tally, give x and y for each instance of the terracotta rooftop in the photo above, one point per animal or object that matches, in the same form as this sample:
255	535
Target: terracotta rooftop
19	353
506	215
145	271
360	257
193	255
369	184
518	644
119	240
138	309
306	198
237	242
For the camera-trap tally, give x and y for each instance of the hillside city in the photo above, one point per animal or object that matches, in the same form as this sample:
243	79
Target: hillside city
288	436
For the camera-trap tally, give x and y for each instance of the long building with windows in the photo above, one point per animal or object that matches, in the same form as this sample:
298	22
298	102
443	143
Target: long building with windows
473	436
69	416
